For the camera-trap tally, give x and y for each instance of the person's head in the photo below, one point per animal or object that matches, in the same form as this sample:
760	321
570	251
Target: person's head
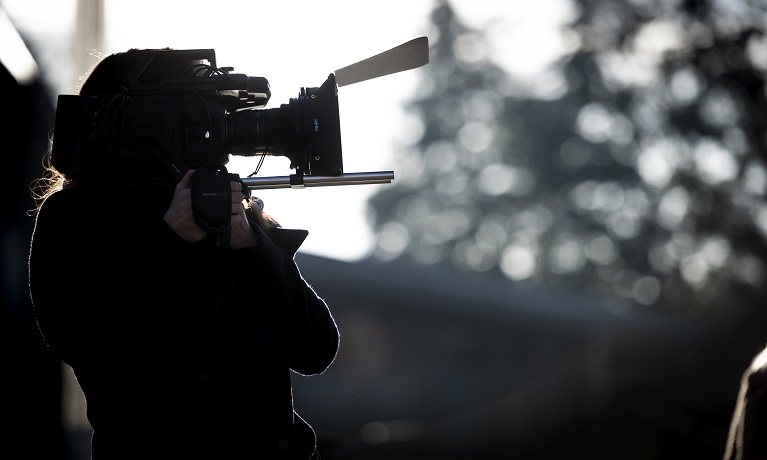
108	76
111	73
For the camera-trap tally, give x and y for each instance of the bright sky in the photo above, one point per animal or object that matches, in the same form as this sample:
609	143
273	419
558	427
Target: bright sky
296	44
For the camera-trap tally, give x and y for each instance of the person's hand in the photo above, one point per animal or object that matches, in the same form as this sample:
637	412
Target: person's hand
180	216
242	235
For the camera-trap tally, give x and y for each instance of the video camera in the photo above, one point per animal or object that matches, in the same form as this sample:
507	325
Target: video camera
179	111
188	113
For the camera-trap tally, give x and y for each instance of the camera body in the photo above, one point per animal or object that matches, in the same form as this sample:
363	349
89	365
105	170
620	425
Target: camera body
179	111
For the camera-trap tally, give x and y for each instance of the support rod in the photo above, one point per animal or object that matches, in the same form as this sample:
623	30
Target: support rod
377	177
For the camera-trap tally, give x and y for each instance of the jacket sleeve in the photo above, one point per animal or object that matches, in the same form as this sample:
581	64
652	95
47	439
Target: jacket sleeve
96	277
300	317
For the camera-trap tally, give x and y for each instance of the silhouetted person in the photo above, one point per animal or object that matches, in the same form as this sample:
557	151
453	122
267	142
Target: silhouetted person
183	350
747	439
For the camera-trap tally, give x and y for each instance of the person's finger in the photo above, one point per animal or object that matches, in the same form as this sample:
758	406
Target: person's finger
237	197
238	216
236	192
235	186
186	181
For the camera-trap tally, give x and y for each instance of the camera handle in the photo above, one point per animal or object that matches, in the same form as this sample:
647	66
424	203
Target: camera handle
212	202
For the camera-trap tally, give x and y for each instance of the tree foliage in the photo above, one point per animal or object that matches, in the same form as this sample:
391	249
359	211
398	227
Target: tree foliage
633	167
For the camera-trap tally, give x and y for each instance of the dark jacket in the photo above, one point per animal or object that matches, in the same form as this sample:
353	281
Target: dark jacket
181	350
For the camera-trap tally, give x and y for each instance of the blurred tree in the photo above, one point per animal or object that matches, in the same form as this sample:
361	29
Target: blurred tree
633	167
